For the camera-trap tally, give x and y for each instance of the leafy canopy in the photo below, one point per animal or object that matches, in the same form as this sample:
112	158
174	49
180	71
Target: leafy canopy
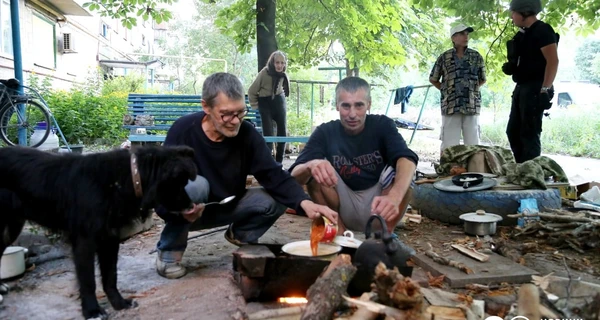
371	32
127	11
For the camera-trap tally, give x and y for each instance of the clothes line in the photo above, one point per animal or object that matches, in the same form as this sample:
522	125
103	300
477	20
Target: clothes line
415	87
402	94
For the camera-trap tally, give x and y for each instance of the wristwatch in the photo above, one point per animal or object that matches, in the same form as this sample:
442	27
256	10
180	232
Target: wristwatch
545	89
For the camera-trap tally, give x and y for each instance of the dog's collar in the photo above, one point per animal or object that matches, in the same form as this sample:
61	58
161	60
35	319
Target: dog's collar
135	176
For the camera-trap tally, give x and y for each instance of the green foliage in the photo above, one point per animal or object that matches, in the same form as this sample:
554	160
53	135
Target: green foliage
587	61
574	131
127	11
493	26
129	83
85	116
372	33
201	38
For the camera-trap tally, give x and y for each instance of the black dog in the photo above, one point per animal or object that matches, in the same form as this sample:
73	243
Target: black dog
91	197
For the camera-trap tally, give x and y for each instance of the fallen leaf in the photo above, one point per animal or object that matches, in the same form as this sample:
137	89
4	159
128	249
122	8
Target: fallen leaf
436	281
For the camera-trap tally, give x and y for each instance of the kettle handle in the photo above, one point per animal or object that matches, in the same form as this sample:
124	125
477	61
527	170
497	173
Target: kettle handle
381	221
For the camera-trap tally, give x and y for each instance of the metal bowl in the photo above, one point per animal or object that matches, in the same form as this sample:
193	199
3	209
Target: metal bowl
467	180
480	223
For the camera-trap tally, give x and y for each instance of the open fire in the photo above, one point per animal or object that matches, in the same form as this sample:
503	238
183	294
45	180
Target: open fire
293	300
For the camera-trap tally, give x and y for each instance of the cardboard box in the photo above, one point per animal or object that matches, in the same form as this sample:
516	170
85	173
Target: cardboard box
581	188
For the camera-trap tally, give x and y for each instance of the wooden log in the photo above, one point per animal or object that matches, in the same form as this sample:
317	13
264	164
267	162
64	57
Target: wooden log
363	312
389	312
276	313
553	217
471	253
528	303
325	295
447	262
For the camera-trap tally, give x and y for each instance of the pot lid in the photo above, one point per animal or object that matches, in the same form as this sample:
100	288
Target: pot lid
347	242
480	216
11	250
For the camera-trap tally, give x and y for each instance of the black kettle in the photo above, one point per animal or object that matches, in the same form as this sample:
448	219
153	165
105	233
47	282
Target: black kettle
382	248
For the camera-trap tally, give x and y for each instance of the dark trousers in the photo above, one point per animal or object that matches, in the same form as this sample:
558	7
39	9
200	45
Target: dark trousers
525	122
274	110
250	217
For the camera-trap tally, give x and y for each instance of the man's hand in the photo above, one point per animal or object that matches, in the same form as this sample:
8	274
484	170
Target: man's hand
386	206
322	171
544	101
508	68
315	211
194	213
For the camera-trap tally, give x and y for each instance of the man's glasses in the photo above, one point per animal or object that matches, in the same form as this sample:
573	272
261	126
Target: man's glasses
229	117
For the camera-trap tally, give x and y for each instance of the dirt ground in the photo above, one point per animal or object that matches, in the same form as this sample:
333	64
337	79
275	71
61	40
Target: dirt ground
208	291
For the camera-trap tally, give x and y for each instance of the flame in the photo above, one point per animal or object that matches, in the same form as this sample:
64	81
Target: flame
292	300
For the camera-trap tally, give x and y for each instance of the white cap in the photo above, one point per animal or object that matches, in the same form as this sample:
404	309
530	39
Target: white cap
459	28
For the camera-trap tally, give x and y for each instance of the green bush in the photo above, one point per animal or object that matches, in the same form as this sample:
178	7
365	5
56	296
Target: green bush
574	131
86	118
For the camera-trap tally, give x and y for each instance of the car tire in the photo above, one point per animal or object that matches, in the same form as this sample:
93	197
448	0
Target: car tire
448	206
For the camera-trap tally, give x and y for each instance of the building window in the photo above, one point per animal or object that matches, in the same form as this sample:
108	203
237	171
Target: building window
104	30
44	42
6	45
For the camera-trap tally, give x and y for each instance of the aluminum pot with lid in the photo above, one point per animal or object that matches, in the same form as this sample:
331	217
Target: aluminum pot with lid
480	223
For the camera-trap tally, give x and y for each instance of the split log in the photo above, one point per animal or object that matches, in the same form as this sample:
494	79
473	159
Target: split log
325	295
276	313
471	253
396	291
528	303
363	312
389	312
553	217
447	262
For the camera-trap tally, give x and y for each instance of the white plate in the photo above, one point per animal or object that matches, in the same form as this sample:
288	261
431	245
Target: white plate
347	242
302	248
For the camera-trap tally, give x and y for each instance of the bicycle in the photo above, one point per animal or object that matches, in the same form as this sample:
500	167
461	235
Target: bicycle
19	123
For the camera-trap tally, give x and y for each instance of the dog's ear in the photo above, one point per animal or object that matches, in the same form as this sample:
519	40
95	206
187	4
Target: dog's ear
184	151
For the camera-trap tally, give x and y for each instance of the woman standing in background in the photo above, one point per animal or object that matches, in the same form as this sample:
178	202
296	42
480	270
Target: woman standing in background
268	93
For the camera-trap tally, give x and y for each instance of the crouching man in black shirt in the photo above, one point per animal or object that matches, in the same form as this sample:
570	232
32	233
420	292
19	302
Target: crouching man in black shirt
533	63
227	149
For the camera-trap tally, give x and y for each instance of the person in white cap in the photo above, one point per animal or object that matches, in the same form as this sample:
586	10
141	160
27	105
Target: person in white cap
533	63
459	73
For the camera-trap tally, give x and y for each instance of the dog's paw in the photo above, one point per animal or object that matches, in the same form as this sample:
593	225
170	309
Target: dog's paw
125	304
4	288
99	314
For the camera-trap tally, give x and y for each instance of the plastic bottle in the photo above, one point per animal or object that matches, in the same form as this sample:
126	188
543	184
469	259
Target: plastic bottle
51	143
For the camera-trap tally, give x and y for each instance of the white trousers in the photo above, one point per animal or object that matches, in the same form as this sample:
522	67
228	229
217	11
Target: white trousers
455	124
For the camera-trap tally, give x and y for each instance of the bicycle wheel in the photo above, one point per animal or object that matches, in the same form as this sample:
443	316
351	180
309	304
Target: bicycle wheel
12	121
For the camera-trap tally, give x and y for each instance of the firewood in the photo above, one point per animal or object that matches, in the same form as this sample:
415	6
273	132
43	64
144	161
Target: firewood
325	295
395	290
528	304
389	312
472	253
363	312
554	217
276	313
447	262
416	218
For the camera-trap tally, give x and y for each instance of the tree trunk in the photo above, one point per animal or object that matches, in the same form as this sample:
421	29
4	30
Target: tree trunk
351	72
266	43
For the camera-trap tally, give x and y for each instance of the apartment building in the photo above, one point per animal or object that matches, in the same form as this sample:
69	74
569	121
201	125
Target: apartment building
63	41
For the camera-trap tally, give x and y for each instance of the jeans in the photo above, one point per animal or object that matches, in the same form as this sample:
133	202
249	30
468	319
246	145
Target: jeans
274	110
524	126
250	217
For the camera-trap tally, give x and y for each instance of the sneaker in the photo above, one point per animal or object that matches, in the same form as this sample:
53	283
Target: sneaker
229	237
170	270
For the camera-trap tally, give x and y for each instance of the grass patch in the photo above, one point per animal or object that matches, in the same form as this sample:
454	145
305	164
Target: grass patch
574	131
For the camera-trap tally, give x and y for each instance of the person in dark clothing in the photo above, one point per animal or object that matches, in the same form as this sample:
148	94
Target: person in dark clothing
533	63
227	150
268	93
359	165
